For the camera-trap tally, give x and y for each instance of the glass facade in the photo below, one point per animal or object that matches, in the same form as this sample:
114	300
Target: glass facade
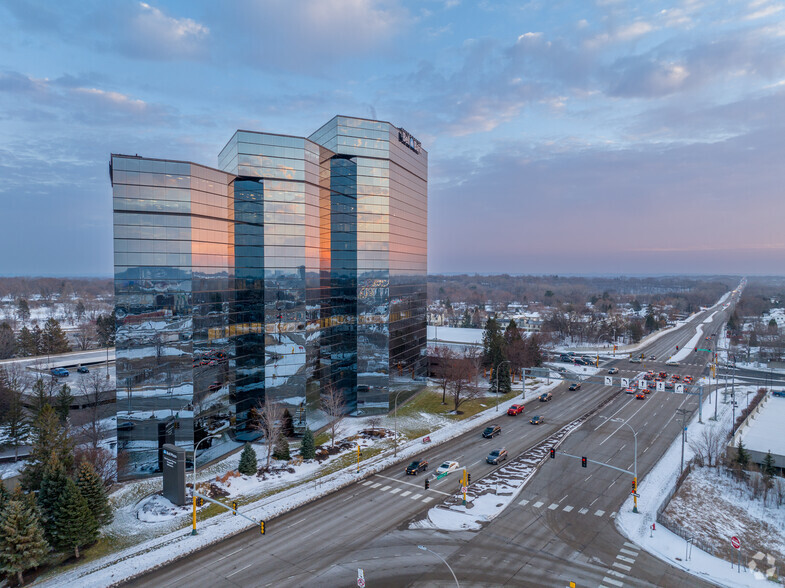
299	266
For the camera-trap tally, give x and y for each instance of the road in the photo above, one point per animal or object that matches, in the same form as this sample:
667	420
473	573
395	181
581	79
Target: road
560	528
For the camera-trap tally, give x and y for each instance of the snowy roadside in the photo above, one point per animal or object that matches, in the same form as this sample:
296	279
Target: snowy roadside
664	544
148	555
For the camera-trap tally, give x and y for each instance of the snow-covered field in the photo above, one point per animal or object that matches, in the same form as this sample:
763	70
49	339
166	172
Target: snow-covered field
654	489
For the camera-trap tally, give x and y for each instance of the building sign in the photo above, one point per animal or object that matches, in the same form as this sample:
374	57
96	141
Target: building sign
412	143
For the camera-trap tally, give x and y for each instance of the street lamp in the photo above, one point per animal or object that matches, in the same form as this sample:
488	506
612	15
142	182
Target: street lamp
193	493
497	382
445	563
635	468
395	419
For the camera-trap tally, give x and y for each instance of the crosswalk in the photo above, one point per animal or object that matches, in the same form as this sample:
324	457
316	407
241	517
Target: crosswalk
566	508
397	490
620	568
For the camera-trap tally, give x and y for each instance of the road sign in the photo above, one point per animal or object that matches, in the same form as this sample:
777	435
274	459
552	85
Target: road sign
625	382
608	381
641	384
660	386
734	541
360	578
680	388
464	489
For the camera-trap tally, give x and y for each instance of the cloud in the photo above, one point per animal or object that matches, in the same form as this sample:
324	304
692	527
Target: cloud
147	32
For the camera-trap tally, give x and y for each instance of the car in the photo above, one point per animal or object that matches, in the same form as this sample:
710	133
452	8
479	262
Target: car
652	357
446	467
537	420
630	391
688	379
416	467
561	370
545	396
59	372
640	396
214	386
82	370
648	377
669	385
573	386
650	386
125	426
515	409
613	370
673	363
663	375
496	456
675	377
635	360
491	431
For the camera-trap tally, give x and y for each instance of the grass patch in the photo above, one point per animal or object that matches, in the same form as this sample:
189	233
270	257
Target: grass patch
430	401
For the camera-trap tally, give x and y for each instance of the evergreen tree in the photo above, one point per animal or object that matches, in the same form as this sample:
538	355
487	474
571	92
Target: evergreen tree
287	426
22	310
63	403
92	488
5	496
7	341
281	451
53	338
49	436
105	329
742	456
53	483
651	323
13	413
26	343
80	310
42	395
248	464
307	445
494	355
22	543
74	524
769	469
466	321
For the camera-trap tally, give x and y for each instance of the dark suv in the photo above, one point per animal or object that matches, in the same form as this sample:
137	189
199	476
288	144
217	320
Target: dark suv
575	386
416	467
496	456
492	431
545	397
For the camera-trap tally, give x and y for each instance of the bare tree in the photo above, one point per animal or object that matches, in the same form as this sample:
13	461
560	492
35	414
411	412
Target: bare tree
445	358
95	394
85	336
463	382
375	422
708	444
270	423
334	405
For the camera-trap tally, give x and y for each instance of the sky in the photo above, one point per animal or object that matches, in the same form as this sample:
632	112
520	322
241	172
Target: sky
582	137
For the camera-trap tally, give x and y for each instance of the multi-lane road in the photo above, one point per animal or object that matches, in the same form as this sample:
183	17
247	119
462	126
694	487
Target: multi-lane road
559	529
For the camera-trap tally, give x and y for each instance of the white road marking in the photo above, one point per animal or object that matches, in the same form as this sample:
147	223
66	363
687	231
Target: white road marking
239	550
621	566
628	552
593	501
645	450
418	486
567	508
523	502
376	485
612	581
395	491
553	506
240	570
562	500
415	496
367	483
599	513
538	504
627	559
631	545
427	499
617	574
385	488
406	493
583	511
587	479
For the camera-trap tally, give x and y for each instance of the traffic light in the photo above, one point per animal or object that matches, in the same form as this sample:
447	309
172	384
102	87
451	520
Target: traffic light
199	501
427	484
468	478
677	347
553	453
696	350
634	485
583	462
234	508
261	527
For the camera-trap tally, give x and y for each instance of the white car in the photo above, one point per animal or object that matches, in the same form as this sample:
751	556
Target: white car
447	466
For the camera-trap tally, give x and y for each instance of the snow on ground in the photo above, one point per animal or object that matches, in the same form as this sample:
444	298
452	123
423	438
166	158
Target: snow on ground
763	431
710	318
455	335
685	350
151	552
653	489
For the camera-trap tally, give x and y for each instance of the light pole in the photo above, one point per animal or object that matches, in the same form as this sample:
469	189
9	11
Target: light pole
193	493
635	468
497	382
445	563
395	420
684	413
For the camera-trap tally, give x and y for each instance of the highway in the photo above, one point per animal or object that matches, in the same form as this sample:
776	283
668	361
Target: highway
560	528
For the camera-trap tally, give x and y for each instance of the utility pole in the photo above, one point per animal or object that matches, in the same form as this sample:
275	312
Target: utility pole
684	413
